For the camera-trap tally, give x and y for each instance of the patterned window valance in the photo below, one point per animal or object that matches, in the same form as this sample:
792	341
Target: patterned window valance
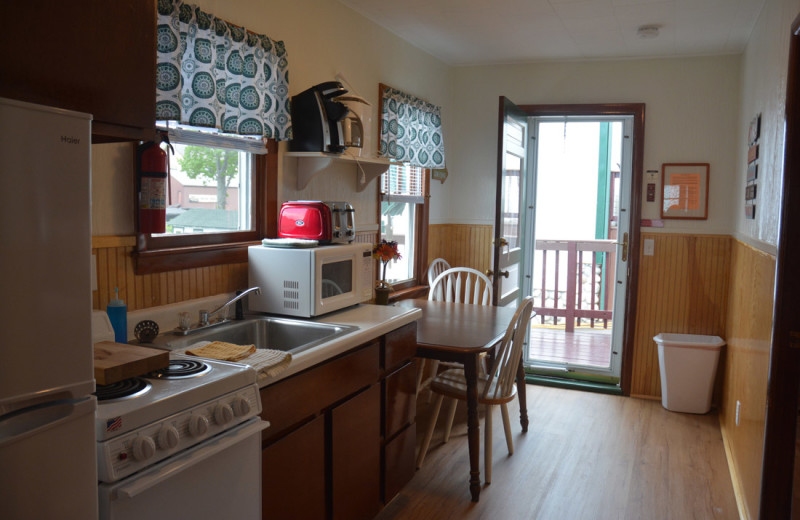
212	73
411	129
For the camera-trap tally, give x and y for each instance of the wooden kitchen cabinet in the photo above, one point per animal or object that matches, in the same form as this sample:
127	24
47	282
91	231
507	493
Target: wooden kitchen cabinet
91	56
400	410
356	457
297	489
350	419
310	393
400	399
399	461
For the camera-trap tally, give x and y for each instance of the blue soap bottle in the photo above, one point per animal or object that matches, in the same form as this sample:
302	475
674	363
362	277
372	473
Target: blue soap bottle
118	315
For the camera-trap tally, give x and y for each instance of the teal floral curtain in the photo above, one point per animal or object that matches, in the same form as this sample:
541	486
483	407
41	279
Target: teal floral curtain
411	129
211	73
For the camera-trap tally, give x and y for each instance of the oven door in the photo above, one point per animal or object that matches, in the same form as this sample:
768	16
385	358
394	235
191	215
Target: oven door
218	478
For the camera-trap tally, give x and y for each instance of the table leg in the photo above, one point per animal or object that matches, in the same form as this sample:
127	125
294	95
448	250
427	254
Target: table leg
523	399
473	428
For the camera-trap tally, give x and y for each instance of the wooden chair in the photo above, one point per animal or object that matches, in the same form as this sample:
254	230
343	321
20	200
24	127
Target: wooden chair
495	388
455	284
461	284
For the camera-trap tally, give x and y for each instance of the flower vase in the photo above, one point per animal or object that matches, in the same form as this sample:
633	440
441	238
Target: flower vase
382	295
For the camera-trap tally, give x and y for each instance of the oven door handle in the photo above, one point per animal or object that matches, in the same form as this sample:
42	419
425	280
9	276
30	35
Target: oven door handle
213	447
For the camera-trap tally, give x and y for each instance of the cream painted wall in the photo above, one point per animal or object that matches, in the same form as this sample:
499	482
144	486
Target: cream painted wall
322	38
691	115
763	78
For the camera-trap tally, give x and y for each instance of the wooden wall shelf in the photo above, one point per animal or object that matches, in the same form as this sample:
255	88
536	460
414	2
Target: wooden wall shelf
309	164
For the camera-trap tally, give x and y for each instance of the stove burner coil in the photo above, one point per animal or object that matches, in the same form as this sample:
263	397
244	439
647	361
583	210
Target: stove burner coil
127	388
180	368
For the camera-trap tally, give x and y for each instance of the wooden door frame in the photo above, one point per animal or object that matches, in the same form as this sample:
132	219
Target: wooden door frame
637	111
777	474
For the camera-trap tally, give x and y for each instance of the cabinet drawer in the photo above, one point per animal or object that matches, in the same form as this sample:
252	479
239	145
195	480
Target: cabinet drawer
288	402
400	399
400	345
399	462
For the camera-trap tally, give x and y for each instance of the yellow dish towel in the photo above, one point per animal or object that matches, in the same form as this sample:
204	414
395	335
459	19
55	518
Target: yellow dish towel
268	362
223	351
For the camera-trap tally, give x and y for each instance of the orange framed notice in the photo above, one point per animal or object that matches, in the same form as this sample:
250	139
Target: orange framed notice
684	190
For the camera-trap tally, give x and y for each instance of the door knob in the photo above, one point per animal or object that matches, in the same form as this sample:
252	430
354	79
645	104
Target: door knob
503	242
504	274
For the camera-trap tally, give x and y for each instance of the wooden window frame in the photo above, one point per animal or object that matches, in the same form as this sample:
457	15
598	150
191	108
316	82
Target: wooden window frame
172	253
416	286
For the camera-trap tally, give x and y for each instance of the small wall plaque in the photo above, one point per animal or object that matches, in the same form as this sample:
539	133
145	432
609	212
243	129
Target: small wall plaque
752	171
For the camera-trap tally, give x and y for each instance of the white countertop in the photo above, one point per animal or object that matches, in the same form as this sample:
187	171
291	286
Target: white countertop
372	321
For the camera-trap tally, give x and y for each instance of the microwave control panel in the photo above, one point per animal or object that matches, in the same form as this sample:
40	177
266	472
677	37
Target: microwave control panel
366	276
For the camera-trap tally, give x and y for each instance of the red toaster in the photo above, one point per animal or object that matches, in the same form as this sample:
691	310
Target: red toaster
327	222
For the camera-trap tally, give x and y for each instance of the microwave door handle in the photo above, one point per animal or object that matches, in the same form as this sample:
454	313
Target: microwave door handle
142	484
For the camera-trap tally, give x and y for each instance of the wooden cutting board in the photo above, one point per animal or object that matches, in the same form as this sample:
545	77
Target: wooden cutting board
114	362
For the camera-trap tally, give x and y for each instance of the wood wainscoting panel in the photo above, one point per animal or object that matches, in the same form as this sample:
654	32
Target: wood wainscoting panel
683	288
462	245
746	369
115	269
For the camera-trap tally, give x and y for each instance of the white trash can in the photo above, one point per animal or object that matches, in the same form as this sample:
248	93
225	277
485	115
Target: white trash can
688	364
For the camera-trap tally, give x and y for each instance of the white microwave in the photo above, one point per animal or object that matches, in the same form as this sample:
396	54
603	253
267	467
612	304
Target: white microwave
310	281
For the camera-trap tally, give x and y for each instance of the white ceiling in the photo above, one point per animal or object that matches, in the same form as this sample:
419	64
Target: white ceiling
469	32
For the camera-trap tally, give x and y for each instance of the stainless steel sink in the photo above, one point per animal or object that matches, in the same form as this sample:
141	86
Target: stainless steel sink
286	334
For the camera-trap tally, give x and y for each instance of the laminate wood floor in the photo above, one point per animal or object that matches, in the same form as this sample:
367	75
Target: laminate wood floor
585	456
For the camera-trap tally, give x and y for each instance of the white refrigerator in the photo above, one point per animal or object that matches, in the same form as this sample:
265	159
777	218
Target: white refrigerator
48	465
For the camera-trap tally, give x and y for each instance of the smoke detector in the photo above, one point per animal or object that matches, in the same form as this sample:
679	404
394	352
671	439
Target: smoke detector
648	32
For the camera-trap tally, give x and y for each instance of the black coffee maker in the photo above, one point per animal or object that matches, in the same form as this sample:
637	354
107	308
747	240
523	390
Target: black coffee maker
317	119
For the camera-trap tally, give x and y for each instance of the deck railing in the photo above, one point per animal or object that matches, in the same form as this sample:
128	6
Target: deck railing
589	279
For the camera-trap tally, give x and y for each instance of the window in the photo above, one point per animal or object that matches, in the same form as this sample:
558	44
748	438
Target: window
404	219
216	204
210	190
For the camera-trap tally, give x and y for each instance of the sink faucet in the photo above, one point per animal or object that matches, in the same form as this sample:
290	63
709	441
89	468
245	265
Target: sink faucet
205	315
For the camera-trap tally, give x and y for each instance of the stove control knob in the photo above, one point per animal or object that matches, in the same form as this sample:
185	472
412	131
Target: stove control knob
198	425
223	414
168	437
241	406
143	448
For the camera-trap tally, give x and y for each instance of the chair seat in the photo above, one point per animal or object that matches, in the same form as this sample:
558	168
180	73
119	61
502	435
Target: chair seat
453	383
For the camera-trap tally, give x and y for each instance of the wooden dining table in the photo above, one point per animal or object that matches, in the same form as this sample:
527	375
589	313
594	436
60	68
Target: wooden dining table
461	332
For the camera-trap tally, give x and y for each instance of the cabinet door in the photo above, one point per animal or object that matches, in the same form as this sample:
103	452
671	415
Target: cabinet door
355	457
399	462
293	475
92	56
400	400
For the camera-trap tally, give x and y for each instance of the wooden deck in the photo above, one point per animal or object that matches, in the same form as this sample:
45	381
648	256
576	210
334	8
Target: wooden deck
585	346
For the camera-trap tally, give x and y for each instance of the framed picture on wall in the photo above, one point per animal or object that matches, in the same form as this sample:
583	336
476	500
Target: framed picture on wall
684	190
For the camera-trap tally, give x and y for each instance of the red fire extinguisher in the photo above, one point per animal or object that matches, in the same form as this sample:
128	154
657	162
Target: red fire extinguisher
152	174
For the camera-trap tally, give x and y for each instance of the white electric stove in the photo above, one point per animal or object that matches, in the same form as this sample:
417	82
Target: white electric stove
197	413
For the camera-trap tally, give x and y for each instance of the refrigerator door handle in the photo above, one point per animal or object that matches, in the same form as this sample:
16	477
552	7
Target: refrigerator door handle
212	447
27	422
